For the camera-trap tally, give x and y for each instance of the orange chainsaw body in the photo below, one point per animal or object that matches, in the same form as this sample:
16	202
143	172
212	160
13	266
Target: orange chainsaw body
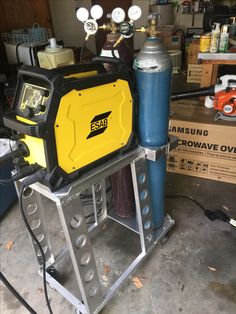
225	101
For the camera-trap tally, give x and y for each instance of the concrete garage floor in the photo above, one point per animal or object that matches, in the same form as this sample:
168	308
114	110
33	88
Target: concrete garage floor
193	272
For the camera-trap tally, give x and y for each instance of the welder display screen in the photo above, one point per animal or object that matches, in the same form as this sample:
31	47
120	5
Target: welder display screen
32	97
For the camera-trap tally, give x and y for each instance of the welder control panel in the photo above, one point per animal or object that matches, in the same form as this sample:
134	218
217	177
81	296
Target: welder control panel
33	100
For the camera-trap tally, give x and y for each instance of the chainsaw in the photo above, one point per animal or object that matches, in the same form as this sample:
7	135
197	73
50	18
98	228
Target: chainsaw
221	97
225	103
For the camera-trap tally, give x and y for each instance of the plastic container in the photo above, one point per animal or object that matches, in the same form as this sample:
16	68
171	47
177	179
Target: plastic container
215	38
55	56
36	34
224	38
205	42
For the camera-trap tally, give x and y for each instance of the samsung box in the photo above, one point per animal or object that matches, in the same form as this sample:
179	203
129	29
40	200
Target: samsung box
207	148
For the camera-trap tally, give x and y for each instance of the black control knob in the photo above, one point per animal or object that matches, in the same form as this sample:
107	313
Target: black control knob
44	93
28	112
41	108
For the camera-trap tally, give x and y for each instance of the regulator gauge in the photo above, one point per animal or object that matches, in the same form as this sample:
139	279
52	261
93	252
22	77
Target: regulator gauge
91	27
82	14
118	15
134	13
96	12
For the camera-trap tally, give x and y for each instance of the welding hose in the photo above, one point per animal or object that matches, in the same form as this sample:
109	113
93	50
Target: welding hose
205	91
13	154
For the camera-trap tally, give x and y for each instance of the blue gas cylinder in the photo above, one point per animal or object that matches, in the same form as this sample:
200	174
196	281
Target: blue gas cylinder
153	70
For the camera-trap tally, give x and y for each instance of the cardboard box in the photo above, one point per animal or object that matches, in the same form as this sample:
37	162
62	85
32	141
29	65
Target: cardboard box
207	149
172	42
194	73
193	51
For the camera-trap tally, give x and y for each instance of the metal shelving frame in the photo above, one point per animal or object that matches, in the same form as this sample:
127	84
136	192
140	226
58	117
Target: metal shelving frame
77	232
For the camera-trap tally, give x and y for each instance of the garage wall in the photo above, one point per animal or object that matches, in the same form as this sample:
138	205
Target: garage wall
66	26
15	14
226	2
140	37
185	21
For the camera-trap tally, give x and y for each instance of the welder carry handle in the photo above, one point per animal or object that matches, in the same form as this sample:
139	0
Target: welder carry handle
101	78
10	121
53	74
79	68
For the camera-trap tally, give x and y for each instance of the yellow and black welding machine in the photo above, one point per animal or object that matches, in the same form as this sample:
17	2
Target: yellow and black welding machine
72	118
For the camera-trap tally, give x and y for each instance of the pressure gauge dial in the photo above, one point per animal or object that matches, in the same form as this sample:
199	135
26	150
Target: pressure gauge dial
82	14
134	13
96	12
118	15
91	27
126	29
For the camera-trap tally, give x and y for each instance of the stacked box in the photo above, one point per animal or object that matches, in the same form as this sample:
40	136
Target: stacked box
207	148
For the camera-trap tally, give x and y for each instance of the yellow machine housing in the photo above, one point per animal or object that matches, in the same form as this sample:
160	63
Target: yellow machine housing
72	118
92	124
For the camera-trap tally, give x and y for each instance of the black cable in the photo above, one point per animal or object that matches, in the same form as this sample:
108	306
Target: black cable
11	155
188	198
210	214
12	152
16	294
113	53
127	45
81	51
38	245
6	181
118	58
17	54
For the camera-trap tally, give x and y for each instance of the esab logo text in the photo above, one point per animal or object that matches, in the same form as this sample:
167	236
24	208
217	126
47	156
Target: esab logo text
99	124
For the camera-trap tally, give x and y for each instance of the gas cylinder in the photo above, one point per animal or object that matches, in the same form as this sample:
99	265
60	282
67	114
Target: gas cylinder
122	50
153	71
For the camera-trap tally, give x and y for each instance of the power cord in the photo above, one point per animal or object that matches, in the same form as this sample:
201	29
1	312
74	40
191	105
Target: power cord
38	176
210	214
35	177
6	181
22	173
81	51
113	53
16	294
